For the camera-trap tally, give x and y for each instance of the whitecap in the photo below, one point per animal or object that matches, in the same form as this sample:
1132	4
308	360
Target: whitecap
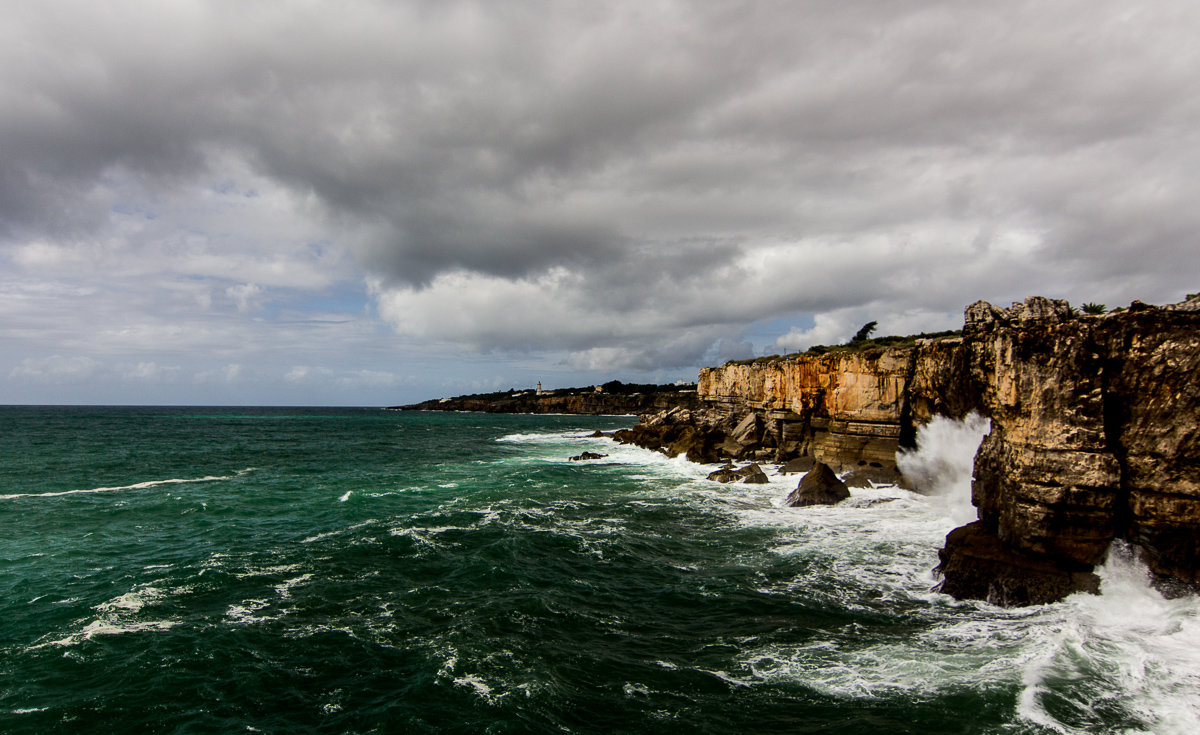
244	613
1128	654
105	626
531	438
134	486
943	463
285	588
132	601
474	682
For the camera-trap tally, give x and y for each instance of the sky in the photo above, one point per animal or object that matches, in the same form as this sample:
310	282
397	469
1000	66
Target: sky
296	202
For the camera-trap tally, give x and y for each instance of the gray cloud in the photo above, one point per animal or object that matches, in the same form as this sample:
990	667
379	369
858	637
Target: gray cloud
626	184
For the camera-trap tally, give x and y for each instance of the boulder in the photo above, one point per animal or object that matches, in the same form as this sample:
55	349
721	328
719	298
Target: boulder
724	475
819	487
751	474
867	477
730	448
587	456
976	565
797	466
748	431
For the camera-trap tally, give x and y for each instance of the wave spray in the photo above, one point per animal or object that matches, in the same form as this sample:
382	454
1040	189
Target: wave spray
943	463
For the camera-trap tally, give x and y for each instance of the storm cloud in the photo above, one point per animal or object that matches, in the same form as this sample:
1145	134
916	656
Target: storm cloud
626	186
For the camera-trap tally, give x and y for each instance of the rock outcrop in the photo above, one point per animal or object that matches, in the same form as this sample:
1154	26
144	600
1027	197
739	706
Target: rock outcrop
849	410
1094	438
706	435
819	487
751	474
1094	435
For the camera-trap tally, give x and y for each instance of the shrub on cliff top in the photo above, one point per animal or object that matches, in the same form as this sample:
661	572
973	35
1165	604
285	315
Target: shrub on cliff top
877	343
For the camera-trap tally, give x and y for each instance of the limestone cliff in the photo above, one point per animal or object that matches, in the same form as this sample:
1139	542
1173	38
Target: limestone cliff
1094	434
1094	438
847	409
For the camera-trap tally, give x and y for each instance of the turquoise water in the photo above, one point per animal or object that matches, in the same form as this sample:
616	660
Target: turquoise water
197	570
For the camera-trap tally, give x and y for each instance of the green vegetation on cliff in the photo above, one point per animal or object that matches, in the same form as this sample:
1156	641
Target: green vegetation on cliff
853	346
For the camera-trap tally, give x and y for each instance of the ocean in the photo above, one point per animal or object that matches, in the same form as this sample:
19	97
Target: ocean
287	570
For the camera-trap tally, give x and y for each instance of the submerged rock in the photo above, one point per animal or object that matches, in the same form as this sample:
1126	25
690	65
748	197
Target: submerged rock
819	487
587	456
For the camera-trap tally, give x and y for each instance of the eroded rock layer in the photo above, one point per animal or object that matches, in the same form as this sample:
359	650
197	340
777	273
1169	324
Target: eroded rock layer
1094	435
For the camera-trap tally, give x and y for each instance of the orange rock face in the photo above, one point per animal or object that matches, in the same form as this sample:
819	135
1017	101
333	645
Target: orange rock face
1095	434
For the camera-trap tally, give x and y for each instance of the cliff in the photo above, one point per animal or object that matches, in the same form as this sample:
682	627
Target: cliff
1094	438
1093	435
847	409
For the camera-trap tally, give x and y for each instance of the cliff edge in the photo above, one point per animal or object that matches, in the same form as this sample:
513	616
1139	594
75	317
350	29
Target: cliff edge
1094	438
1094	435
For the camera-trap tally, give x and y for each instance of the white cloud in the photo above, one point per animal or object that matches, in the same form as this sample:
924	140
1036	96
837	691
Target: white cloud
828	329
229	373
150	371
307	374
372	378
72	369
247	296
616	186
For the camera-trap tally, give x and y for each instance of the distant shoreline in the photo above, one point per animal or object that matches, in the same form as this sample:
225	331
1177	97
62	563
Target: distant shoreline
610	399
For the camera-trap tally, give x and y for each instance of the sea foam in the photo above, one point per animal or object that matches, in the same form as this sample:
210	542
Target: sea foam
1122	661
134	486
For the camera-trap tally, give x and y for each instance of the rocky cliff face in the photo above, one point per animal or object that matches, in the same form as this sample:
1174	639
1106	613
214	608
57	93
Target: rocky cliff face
1094	438
847	409
1094	435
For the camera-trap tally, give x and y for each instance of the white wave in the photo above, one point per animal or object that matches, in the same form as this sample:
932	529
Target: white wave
116	617
244	613
134	486
1125	660
345	496
109	627
943	463
339	532
532	438
285	588
132	601
474	682
261	571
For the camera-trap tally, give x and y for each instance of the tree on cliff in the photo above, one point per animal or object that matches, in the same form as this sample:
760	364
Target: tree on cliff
865	332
